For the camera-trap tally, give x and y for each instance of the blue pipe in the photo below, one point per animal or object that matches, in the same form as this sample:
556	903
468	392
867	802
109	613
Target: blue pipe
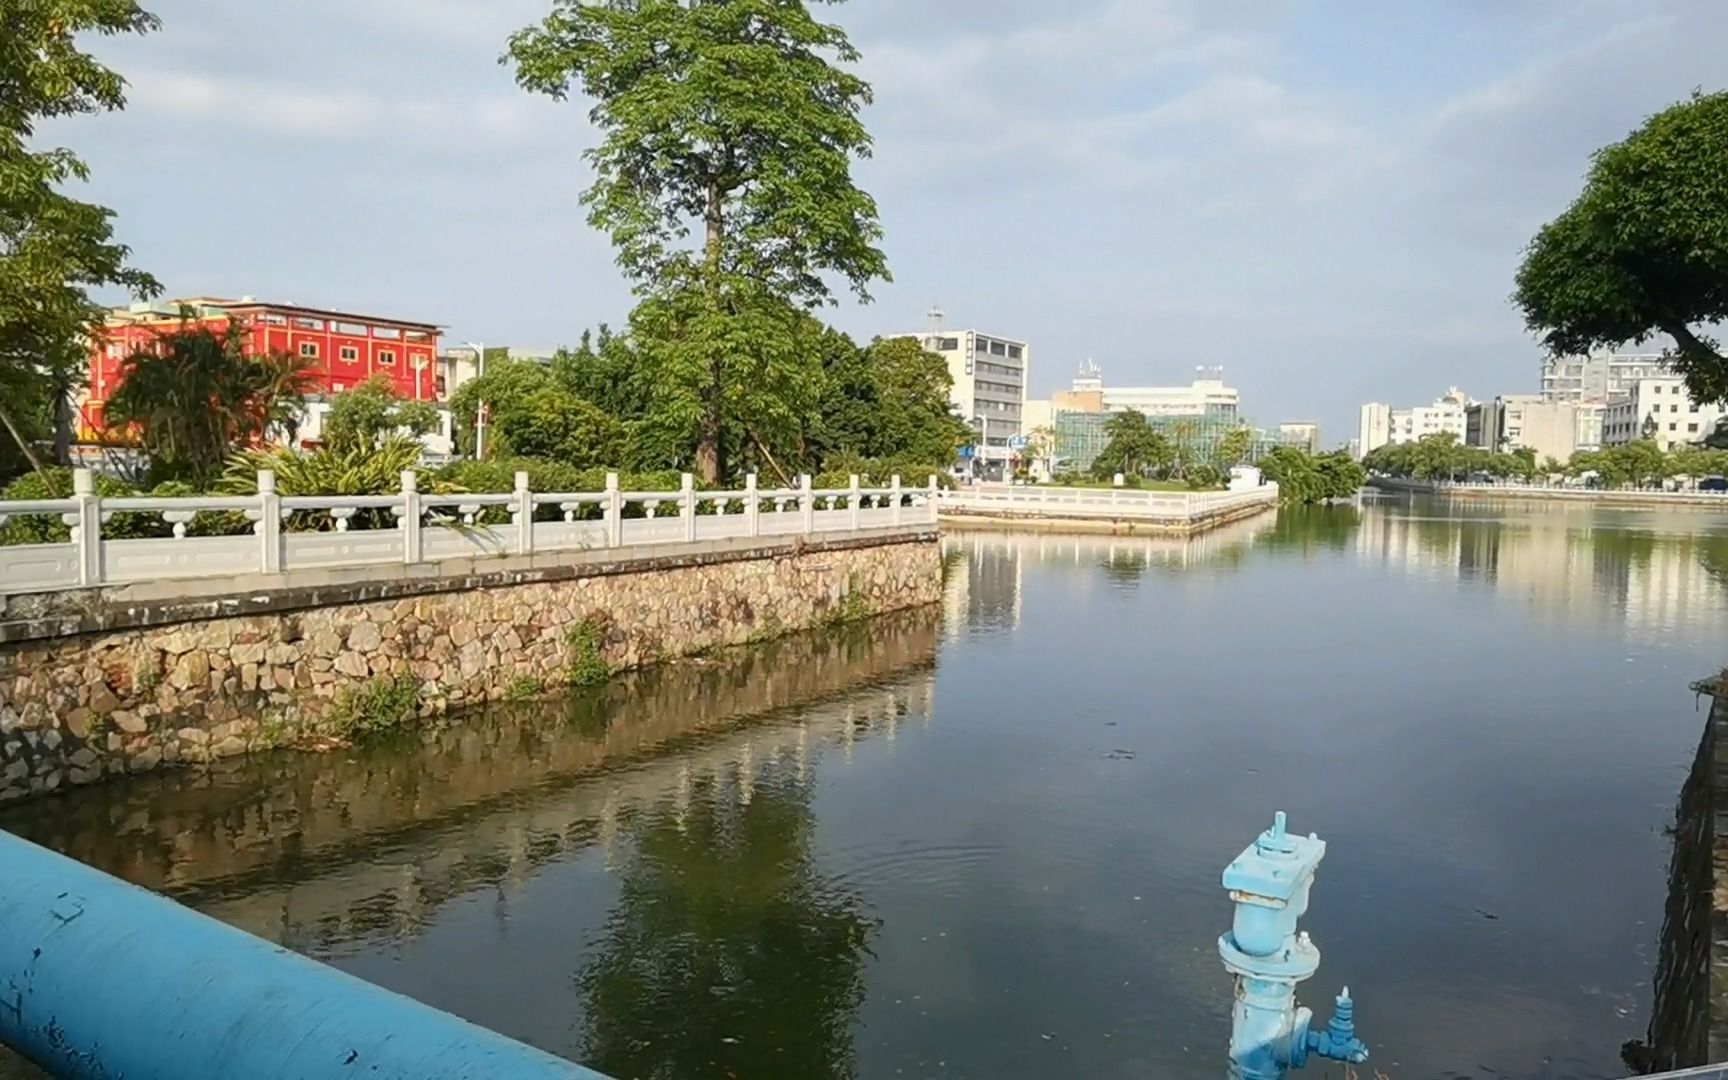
101	980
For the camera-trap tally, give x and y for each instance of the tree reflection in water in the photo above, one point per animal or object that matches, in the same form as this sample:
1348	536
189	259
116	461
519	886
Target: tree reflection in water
727	953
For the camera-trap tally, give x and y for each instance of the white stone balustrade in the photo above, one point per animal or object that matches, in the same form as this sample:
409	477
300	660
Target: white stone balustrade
290	533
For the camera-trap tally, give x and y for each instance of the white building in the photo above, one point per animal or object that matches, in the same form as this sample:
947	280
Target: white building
1382	424
989	373
1600	376
1302	433
1205	396
1374	429
1660	409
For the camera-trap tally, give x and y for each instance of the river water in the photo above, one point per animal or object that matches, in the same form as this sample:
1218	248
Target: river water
986	841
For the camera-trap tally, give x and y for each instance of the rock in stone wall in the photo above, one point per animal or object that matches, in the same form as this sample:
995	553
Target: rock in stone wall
75	710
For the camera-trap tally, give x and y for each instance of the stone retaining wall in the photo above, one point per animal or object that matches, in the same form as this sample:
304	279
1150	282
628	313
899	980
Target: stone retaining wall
1027	521
1689	1015
76	709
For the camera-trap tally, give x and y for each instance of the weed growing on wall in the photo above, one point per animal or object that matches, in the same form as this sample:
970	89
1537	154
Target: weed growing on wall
585	664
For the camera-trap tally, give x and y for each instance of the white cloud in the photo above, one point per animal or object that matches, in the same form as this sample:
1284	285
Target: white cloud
452	125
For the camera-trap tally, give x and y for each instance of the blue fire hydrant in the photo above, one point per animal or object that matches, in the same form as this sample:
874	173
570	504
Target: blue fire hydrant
1269	1034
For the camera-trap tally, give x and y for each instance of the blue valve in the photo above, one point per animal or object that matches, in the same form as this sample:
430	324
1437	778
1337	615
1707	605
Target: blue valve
1269	1034
1339	1042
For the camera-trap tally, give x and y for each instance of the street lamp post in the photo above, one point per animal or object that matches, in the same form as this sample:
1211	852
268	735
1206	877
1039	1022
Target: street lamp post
480	410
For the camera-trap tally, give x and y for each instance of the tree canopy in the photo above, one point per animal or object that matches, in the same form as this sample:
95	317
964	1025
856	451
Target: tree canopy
1640	463
53	248
739	117
1644	249
194	397
1305	478
365	417
1135	449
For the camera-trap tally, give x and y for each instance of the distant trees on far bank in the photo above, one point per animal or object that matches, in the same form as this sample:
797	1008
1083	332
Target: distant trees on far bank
1640	464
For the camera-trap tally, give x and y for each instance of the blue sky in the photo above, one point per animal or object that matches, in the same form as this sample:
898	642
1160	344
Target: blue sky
1327	198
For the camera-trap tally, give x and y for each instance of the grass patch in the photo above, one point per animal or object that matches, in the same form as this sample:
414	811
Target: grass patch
146	678
380	705
585	666
274	731
524	688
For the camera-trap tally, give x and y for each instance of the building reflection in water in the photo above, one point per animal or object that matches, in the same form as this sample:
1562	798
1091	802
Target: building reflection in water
1656	572
693	783
984	591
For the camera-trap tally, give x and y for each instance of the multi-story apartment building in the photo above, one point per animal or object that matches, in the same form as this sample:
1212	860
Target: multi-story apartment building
1510	421
1382	424
989	373
1658	409
1599	376
344	348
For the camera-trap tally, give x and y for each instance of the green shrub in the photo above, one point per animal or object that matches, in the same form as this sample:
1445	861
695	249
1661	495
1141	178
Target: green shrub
380	705
56	483
852	607
524	688
361	471
205	522
586	665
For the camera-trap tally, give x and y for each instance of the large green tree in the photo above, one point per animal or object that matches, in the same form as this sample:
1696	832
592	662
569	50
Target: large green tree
1644	249
887	400
736	118
53	248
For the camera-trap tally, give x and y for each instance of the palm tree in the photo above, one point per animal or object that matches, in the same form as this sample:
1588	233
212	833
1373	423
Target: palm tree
194	396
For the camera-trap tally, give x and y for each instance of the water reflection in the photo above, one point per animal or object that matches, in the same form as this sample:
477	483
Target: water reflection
774	864
986	598
1654	571
727	953
692	783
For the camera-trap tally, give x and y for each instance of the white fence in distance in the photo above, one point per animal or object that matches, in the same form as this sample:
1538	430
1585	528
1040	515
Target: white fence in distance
1114	504
427	528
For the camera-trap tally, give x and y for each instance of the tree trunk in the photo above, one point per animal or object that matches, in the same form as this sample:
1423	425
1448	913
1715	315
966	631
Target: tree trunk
62	426
23	443
710	455
708	451
1690	342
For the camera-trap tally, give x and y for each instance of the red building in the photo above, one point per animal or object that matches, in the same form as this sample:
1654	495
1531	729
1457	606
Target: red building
346	348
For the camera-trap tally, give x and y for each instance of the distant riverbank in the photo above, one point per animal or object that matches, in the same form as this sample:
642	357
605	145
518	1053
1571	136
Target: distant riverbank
1703	500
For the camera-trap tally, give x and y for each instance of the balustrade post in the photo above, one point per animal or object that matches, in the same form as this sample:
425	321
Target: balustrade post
752	508
87	527
855	503
614	512
523	512
413	535
268	527
934	491
687	506
807	503
894	499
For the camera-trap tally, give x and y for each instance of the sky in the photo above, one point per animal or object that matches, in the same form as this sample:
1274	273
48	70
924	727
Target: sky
1327	198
